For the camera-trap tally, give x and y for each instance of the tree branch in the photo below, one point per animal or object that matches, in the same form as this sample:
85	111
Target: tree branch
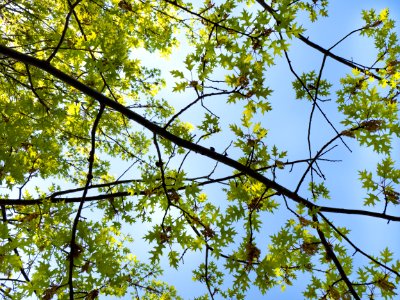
63	32
357	248
331	254
73	245
319	48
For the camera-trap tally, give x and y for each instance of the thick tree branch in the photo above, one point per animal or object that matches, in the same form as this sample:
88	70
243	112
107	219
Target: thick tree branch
150	125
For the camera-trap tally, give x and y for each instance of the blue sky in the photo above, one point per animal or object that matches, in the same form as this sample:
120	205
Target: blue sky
288	127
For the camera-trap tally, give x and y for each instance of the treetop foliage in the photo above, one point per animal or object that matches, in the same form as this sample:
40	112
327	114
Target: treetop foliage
77	103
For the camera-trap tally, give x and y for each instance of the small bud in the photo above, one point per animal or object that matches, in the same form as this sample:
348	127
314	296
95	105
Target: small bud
194	83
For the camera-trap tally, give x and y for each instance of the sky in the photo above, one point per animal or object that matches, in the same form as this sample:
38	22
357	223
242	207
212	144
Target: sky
287	125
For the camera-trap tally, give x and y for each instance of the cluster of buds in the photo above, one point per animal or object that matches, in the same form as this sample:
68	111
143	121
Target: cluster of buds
125	5
208	232
174	196
309	248
385	284
255	203
252	253
348	133
165	234
391	195
371	125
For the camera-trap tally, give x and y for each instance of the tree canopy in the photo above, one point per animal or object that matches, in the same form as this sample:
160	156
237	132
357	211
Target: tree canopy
104	155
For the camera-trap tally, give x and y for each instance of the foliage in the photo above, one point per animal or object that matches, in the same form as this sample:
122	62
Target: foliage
77	104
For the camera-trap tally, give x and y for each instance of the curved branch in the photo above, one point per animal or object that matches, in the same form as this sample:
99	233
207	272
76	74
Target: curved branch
331	254
73	245
72	7
357	249
337	58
